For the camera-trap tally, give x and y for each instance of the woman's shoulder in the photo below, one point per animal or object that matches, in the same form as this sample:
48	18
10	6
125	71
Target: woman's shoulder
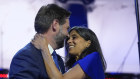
92	66
89	59
92	56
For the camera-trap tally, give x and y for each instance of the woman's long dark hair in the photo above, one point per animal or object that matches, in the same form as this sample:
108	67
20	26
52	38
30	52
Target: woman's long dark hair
87	34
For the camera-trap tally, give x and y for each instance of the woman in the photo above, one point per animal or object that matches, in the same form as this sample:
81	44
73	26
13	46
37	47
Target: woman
85	58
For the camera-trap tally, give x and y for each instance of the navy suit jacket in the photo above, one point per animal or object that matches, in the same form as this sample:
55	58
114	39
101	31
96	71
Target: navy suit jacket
28	64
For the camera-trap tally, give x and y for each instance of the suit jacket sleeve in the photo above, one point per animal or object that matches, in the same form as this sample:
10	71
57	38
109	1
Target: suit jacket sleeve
23	66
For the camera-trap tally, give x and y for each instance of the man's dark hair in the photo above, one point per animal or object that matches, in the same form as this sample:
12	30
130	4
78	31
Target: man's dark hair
47	14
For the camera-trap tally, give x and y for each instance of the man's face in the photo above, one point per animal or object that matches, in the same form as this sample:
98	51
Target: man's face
63	33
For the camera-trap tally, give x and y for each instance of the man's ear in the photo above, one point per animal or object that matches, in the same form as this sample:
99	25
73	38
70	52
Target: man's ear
55	25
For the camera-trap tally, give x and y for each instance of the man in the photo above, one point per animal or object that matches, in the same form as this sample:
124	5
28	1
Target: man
52	22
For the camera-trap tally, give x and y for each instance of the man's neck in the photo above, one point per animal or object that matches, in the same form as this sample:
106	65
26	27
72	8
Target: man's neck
50	40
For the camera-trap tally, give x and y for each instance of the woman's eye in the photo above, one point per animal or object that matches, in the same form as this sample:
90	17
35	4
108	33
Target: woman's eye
74	37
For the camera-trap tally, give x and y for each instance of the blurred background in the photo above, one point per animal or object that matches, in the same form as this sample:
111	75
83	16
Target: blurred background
113	21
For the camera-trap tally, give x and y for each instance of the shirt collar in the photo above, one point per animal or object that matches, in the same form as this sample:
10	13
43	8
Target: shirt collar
50	49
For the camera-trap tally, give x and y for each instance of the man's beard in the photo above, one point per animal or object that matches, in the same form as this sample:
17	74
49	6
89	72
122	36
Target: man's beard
60	37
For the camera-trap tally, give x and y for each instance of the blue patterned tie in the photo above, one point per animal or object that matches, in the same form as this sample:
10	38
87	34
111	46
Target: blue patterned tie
55	59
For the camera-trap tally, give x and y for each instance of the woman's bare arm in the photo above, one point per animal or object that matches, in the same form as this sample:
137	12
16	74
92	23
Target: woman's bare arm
74	73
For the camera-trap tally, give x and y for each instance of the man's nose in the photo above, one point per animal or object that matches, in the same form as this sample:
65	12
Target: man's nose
68	35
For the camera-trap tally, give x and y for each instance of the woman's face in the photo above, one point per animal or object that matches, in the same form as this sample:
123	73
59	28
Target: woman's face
76	43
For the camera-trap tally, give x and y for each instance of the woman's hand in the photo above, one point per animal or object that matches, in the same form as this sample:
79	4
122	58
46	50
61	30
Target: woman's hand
39	42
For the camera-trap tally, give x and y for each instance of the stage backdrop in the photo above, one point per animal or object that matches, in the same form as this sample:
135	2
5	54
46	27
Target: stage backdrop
113	21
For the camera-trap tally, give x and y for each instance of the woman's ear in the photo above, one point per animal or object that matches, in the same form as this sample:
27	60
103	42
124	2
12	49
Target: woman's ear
55	25
88	43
